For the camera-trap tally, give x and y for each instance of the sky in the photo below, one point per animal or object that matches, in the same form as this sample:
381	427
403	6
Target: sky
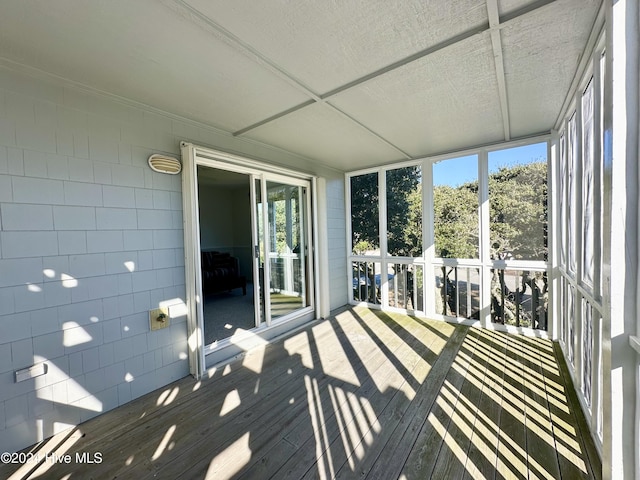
455	172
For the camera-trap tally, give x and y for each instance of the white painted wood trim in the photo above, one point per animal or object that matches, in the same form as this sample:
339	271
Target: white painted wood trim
553	229
193	280
382	237
321	250
485	236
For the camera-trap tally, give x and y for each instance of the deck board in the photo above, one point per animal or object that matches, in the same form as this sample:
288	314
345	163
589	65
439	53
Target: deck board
482	455
364	394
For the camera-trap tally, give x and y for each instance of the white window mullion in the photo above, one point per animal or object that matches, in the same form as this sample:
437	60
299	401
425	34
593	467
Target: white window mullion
428	246
485	242
577	237
267	252
349	236
553	237
384	250
596	384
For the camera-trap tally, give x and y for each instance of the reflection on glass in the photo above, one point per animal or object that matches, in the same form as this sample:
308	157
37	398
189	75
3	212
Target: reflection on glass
287	245
365	230
260	252
404	212
455	203
518	203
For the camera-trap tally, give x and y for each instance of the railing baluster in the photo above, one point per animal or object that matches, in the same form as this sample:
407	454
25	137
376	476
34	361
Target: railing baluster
468	312
502	310
518	297
457	284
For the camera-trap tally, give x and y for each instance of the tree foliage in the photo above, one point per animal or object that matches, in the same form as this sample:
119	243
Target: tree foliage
517	226
365	233
456	221
404	212
518	212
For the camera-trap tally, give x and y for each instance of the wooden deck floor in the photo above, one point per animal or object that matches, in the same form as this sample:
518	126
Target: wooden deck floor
364	394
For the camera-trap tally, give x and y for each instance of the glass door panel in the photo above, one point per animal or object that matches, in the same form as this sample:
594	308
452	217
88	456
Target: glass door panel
258	250
286	210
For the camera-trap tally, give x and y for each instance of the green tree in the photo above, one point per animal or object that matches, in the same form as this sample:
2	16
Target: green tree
456	221
404	212
518	229
364	212
518	212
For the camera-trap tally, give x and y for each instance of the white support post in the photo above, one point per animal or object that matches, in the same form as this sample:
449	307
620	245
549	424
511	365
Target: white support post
428	247
596	384
553	244
621	275
384	247
193	273
485	242
578	243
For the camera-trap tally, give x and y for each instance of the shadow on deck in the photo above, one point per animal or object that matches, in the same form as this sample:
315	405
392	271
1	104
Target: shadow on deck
364	394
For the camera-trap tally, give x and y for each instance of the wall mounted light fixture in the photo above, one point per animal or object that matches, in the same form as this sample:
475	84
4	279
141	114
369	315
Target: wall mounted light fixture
164	164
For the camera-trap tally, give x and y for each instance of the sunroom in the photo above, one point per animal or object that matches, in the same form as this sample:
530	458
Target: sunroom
330	239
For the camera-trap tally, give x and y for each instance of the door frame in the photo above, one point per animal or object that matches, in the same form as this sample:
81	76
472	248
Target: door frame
200	358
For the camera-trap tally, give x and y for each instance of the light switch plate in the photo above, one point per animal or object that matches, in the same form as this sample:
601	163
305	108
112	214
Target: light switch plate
156	322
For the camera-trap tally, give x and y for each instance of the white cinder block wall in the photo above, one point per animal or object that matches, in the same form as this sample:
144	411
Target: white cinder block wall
90	240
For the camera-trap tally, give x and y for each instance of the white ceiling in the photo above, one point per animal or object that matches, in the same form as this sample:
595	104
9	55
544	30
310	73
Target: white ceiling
348	84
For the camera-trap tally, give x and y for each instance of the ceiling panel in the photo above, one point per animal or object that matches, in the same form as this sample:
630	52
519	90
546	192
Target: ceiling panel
541	55
144	51
319	132
509	6
225	63
328	44
445	101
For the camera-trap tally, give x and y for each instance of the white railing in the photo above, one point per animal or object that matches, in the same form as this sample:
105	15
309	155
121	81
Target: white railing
286	273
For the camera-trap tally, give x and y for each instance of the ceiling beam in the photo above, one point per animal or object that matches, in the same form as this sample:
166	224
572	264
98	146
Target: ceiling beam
182	8
496	44
378	73
524	10
278	115
494	25
368	130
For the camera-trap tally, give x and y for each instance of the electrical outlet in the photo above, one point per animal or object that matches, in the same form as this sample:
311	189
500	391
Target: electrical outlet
159	318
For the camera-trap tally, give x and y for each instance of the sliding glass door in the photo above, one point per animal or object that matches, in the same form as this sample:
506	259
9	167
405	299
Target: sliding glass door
281	236
249	256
